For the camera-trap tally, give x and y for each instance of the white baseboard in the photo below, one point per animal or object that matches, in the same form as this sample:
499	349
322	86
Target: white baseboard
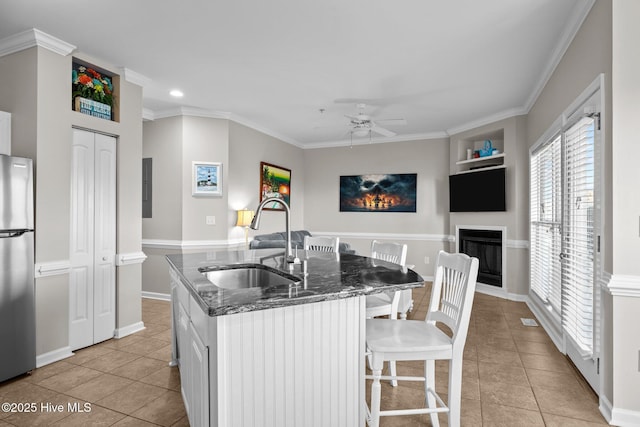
128	330
156	295
495	291
53	356
605	408
617	416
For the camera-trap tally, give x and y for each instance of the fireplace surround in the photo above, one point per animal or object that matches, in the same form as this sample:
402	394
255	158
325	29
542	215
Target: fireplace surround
486	244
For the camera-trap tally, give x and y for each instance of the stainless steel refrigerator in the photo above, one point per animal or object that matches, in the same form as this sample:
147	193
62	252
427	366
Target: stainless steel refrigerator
17	293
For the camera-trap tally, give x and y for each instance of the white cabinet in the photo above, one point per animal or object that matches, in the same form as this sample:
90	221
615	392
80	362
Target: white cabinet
198	379
192	356
300	365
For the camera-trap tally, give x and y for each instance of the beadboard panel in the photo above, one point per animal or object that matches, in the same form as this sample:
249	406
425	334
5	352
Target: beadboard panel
292	366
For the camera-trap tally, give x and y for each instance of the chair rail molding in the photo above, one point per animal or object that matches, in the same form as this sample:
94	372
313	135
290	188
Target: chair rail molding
192	244
624	285
130	258
52	268
387	236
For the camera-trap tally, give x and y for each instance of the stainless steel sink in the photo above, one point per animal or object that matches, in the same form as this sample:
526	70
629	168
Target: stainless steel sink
243	276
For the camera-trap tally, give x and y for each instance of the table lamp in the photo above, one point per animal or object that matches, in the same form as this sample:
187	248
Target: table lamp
244	220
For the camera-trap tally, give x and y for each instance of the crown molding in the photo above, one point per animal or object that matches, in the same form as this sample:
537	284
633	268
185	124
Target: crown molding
188	111
135	77
31	38
571	29
506	114
245	122
377	140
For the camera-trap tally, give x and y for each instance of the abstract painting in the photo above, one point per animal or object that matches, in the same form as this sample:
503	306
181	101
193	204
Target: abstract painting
378	193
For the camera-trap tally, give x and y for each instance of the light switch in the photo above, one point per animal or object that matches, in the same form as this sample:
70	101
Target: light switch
210	220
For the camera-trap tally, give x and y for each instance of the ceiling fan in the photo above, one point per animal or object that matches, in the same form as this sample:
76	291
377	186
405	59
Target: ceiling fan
362	124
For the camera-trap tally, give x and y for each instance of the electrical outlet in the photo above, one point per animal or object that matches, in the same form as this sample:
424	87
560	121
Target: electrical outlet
426	260
210	220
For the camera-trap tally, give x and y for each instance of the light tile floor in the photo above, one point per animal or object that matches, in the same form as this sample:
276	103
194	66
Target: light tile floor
513	376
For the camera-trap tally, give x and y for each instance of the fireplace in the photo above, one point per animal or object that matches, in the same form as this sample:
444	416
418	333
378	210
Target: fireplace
486	245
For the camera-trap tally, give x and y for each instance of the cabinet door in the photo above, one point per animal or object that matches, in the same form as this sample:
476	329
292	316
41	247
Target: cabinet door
199	380
184	349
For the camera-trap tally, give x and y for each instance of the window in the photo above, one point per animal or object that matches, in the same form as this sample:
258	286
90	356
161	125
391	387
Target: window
564	226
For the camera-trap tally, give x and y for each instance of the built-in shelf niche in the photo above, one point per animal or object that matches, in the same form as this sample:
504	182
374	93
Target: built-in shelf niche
89	105
475	143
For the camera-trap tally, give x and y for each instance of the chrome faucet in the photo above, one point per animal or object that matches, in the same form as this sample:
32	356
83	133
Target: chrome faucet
255	223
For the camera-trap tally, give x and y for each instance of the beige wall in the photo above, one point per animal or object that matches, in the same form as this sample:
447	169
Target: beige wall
625	204
588	55
425	228
163	144
515	219
247	148
204	139
179	218
42	122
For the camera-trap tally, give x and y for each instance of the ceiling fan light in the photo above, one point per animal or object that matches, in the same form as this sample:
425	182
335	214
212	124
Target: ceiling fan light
361	132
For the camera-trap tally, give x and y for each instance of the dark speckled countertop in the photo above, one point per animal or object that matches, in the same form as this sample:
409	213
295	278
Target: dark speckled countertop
330	276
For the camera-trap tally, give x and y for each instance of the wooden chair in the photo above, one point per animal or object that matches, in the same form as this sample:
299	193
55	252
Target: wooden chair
321	244
386	304
391	340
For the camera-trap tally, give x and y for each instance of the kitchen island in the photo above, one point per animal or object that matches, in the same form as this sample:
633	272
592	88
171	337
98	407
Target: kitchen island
289	353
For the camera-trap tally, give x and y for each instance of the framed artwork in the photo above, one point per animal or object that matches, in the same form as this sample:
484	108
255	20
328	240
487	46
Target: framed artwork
275	181
378	193
207	179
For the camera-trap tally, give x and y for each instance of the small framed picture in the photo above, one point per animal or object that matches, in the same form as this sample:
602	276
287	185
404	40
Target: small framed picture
207	179
275	181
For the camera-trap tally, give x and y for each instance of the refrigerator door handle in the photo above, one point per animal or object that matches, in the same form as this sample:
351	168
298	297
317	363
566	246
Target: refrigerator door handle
11	233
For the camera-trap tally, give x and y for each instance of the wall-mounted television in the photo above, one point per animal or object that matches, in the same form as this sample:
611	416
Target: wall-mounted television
478	191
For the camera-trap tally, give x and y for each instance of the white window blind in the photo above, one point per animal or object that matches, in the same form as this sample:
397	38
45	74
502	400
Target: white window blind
562	228
578	234
546	221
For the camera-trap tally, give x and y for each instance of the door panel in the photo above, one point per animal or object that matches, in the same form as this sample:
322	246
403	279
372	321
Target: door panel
92	246
81	245
105	238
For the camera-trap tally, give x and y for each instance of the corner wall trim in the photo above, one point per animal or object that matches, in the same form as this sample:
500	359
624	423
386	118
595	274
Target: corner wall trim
622	285
53	356
128	330
52	268
130	258
156	295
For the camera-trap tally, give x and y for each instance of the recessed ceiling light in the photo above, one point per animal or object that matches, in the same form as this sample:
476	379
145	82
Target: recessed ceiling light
177	93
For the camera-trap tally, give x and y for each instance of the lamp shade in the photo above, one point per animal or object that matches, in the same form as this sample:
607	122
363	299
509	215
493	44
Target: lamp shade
244	217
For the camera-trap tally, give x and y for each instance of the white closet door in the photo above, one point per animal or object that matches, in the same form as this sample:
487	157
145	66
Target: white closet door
104	298
92	245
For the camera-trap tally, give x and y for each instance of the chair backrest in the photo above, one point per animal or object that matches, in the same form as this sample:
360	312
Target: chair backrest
452	294
389	251
321	243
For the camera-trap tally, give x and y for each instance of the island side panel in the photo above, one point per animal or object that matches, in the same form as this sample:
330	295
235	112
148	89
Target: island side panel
292	366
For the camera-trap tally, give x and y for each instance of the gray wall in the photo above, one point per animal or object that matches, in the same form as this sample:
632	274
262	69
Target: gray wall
515	219
247	148
178	222
42	122
423	231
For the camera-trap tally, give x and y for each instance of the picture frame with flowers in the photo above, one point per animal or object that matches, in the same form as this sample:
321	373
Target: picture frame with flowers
92	91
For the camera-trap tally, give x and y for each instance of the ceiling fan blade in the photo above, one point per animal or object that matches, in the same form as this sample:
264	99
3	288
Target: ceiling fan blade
382	131
393	122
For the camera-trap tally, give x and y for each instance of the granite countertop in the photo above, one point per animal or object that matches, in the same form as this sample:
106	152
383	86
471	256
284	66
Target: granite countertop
330	276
